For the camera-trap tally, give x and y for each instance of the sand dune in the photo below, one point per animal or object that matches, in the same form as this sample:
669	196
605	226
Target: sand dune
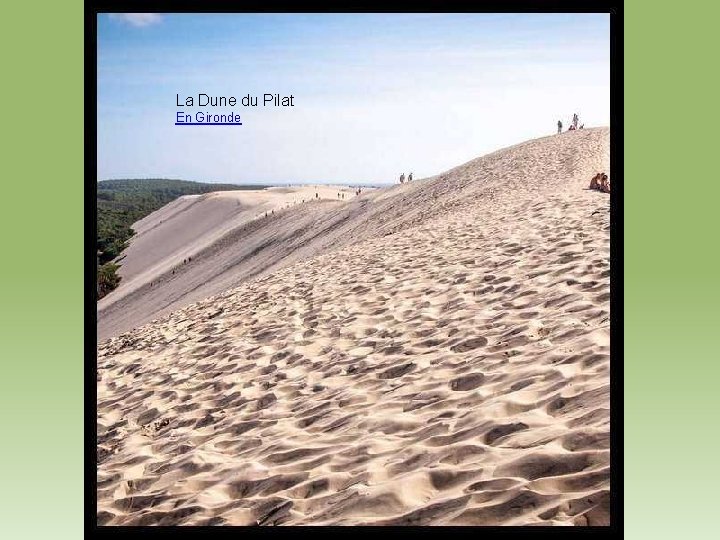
157	268
432	353
227	252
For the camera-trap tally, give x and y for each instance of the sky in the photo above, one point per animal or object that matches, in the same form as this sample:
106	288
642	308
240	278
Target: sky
374	95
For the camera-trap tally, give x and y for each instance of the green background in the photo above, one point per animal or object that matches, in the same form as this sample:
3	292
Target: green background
672	203
41	270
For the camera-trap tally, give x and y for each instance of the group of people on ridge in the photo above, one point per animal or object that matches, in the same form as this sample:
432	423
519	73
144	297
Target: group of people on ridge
402	178
573	125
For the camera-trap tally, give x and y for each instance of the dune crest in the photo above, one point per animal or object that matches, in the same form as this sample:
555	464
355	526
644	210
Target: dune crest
435	353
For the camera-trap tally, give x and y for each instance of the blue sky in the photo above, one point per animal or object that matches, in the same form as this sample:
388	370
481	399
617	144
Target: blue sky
375	95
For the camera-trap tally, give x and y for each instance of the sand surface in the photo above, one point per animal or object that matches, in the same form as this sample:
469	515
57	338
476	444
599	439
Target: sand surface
157	269
440	356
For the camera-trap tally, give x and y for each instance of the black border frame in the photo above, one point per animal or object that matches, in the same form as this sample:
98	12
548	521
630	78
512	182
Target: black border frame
613	7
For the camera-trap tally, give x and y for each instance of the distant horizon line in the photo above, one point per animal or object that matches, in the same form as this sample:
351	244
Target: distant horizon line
249	183
363	183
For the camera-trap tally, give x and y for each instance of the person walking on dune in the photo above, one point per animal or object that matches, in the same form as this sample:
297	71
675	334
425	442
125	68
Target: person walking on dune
575	121
402	178
559	126
410	177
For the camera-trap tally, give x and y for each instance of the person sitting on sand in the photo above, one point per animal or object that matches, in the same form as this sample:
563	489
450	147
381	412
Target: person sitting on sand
605	184
600	182
571	128
582	126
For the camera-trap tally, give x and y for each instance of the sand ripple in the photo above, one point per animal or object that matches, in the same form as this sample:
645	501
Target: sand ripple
456	372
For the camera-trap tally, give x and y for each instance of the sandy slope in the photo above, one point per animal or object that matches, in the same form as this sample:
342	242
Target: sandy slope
156	274
442	359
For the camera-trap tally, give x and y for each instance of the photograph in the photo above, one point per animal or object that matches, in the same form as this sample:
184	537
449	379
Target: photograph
354	269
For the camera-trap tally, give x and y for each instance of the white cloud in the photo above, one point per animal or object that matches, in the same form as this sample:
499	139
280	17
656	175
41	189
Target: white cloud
137	19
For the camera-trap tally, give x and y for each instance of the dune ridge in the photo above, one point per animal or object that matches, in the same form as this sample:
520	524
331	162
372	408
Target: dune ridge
237	247
155	268
436	353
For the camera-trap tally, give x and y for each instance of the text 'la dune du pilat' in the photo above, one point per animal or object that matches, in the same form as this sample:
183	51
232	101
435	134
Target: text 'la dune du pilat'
226	118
